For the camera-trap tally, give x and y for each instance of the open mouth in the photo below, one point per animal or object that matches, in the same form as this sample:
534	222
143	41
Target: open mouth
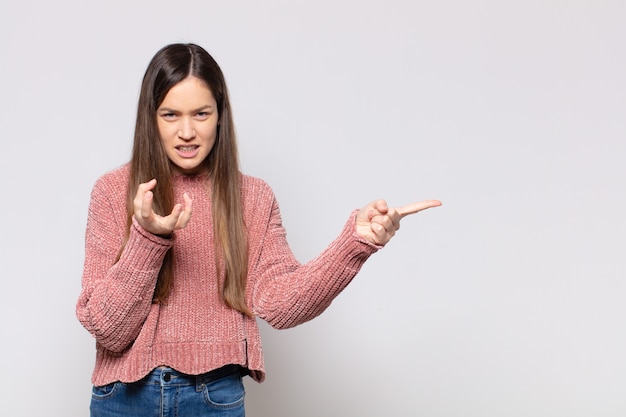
187	151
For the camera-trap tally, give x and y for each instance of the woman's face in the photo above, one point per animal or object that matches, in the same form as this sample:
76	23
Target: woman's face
187	122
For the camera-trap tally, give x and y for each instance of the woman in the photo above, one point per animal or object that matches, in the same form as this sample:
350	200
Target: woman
183	251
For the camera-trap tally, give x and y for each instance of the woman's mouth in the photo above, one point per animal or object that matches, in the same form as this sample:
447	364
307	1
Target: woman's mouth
187	151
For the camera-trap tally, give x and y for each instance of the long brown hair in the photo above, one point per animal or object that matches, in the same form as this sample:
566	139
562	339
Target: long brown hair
169	66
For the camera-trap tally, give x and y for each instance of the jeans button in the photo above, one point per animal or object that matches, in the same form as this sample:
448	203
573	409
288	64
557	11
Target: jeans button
167	377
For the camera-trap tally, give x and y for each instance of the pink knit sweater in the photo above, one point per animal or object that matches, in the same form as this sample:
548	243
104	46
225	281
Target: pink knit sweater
194	332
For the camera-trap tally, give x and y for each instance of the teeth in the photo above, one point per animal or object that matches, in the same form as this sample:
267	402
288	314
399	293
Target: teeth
186	148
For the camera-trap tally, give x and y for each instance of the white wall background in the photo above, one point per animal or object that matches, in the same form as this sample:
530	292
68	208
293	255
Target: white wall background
506	301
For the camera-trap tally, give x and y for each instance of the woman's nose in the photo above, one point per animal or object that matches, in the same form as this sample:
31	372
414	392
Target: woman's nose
186	132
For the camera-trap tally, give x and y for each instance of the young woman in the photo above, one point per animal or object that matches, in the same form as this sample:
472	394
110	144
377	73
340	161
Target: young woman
182	252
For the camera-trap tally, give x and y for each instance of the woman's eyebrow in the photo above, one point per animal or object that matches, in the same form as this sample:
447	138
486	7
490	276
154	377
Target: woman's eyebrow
206	107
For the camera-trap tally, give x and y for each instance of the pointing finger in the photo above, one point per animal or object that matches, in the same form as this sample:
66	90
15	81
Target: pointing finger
417	207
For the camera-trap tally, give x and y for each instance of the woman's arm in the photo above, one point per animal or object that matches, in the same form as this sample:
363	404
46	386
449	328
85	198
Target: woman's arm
287	293
116	297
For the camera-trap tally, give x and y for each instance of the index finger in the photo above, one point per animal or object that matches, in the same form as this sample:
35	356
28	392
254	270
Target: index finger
417	207
148	185
186	214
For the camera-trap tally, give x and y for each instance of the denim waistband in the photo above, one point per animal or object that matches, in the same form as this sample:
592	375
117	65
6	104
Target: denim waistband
166	376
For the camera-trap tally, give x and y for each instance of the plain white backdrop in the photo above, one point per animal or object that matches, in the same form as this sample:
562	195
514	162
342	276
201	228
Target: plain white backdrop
506	301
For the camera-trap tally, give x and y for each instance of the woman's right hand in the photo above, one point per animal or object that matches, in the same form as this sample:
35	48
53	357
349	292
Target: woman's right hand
154	223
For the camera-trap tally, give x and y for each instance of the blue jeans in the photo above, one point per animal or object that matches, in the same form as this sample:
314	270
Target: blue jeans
168	393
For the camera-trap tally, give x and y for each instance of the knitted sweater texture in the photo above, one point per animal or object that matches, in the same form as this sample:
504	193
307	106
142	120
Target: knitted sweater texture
194	331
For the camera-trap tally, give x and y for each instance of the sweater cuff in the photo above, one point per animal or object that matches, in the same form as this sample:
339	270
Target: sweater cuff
145	249
355	235
351	248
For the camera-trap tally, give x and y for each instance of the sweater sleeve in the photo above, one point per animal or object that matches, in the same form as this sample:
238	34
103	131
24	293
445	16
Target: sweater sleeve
288	293
116	296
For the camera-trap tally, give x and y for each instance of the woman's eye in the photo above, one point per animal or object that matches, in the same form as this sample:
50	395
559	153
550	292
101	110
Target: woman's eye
202	114
168	116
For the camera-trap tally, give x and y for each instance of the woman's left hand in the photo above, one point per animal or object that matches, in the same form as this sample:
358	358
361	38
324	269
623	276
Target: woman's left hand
377	223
